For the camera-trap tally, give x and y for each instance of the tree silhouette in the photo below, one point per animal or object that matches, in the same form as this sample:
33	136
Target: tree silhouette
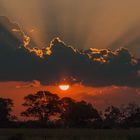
112	116
132	115
77	113
41	105
67	112
5	110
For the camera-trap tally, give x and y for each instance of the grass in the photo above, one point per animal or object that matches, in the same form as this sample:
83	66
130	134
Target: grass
69	134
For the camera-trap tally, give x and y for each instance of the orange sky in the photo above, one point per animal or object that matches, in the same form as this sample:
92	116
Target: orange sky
99	97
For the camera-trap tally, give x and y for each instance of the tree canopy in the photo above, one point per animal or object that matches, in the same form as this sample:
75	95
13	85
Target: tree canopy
5	109
41	105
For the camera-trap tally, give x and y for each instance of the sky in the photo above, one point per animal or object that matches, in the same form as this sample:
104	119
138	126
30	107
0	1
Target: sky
96	52
84	24
99	97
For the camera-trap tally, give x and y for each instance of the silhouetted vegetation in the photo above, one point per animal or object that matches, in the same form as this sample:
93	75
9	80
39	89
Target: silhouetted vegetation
41	105
78	114
47	110
5	110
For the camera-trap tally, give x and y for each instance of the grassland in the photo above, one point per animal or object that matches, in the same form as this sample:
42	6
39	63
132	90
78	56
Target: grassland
69	134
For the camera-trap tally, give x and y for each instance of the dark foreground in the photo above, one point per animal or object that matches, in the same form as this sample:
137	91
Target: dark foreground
69	134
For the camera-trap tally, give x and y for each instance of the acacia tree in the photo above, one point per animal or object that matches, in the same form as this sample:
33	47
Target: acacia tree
5	109
41	105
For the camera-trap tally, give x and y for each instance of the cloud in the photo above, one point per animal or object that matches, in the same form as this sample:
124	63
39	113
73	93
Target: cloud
59	62
106	96
130	39
34	83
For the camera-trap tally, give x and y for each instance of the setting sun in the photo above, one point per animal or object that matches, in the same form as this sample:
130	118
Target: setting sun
64	87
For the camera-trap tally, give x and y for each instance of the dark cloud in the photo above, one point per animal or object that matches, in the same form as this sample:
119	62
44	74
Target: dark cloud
129	39
51	65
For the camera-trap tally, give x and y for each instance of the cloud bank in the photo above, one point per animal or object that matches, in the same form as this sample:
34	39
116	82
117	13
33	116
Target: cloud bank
20	61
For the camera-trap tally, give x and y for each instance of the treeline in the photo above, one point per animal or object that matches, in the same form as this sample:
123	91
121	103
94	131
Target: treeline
48	110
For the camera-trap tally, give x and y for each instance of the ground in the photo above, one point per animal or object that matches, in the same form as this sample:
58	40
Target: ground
69	134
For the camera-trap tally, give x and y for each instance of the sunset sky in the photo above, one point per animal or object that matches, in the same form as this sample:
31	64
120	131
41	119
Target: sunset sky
93	46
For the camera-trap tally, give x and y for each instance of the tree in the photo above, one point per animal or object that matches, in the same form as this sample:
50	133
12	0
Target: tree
112	116
131	115
5	110
41	105
78	113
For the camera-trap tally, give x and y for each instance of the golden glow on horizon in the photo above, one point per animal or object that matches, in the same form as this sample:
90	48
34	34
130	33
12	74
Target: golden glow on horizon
64	87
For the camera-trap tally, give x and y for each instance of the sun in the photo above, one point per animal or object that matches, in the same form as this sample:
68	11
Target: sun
64	87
